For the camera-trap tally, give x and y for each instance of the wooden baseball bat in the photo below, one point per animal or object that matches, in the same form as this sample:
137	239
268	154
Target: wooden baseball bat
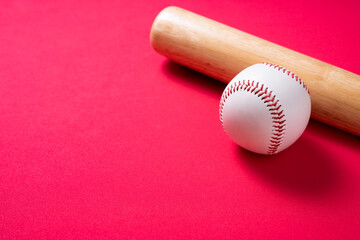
222	52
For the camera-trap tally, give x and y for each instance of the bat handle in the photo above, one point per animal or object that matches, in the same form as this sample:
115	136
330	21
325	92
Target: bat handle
221	52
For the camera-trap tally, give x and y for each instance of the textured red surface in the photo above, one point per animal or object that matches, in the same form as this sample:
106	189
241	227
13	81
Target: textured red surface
102	138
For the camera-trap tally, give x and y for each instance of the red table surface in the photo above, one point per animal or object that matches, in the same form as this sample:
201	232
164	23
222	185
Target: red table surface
102	138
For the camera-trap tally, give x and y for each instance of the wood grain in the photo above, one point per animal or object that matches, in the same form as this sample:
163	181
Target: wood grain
221	52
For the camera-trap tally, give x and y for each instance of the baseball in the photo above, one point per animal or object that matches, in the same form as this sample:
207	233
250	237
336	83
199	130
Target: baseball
265	108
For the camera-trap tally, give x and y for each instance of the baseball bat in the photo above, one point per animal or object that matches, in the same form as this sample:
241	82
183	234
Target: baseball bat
221	52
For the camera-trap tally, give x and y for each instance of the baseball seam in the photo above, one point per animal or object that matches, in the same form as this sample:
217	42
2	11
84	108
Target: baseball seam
277	114
289	73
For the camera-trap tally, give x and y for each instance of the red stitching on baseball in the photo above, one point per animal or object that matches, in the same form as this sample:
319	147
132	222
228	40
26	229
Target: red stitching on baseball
278	118
289	73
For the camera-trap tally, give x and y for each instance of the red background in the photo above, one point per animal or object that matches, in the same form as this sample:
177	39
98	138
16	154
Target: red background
102	138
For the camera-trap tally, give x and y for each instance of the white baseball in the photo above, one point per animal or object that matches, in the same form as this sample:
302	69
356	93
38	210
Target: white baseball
265	108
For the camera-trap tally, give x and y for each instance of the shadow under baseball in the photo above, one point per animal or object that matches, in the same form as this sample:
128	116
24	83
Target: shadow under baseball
305	168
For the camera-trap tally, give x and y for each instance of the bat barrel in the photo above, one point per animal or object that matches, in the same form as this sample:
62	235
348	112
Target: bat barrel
221	52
